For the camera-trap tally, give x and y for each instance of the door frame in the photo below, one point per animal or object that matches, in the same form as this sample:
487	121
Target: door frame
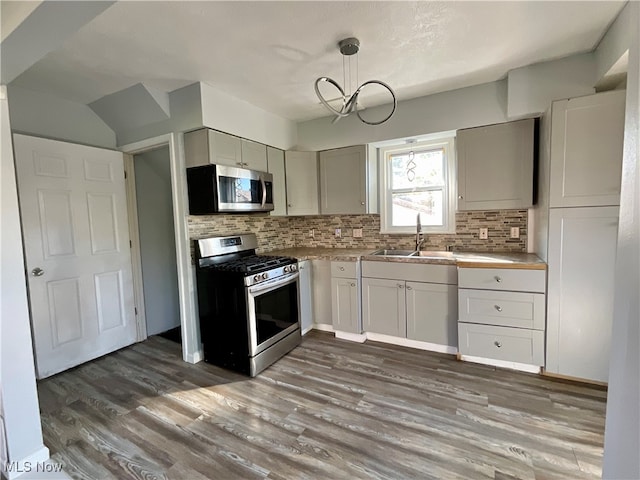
191	343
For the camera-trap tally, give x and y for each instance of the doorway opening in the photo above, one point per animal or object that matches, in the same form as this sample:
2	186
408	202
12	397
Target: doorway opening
157	244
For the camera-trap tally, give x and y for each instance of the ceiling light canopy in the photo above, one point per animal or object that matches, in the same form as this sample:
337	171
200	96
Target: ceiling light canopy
348	48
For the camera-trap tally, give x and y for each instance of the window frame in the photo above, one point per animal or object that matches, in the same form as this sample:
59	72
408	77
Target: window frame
449	189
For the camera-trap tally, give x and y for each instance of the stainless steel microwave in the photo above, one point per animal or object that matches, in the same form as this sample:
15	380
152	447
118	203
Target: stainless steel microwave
225	189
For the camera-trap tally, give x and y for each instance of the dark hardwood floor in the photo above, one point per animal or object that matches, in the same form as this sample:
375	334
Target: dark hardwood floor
331	409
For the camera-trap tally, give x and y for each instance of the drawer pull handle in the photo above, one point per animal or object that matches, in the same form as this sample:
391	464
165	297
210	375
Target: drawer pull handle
498	307
498	279
342	269
497	344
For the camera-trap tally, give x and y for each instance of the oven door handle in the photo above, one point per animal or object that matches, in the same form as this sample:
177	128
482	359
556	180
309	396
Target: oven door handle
273	284
264	191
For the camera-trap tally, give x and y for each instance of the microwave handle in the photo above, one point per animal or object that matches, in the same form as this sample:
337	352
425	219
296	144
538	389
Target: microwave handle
264	191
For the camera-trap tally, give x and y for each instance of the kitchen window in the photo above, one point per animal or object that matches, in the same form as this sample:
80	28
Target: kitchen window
418	178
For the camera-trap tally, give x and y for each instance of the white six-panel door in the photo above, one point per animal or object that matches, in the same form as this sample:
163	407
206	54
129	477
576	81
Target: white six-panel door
74	218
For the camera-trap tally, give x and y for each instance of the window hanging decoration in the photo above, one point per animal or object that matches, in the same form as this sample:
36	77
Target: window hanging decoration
349	47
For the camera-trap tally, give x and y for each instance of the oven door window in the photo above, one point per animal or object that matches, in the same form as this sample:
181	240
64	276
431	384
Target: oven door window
276	311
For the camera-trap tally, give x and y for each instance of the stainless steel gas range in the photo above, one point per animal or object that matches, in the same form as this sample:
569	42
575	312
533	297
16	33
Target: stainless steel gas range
248	304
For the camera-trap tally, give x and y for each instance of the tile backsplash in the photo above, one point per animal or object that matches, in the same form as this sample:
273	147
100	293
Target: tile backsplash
284	232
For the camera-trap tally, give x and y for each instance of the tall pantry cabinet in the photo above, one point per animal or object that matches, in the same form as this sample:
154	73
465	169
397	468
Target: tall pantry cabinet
577	222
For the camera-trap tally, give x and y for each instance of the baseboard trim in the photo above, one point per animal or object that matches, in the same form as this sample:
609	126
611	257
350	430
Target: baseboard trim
27	465
323	327
195	357
406	342
522	367
569	378
306	330
352	337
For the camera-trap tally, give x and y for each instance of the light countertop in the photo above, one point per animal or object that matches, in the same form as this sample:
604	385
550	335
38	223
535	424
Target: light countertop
526	261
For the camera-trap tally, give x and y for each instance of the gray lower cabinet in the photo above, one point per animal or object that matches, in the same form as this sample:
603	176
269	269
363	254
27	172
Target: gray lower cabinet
384	306
344	297
414	301
432	313
344	304
502	314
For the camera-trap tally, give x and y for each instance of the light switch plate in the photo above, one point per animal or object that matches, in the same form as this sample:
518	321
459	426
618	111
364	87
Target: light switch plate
357	233
312	233
515	232
484	233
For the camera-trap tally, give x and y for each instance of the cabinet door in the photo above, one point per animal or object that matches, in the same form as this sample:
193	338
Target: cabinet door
495	166
582	255
306	295
383	306
302	183
254	155
344	304
586	150
224	149
275	166
343	180
432	313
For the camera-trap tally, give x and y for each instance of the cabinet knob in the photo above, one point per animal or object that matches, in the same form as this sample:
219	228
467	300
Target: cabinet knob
361	203
498	279
409	288
289	205
353	284
342	269
497	344
400	285
498	307
460	197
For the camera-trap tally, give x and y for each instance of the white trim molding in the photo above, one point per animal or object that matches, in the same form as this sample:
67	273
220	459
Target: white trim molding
522	367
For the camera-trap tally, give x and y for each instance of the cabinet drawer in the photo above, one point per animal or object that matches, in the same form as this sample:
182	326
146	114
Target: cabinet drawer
343	269
502	279
502	343
507	309
412	272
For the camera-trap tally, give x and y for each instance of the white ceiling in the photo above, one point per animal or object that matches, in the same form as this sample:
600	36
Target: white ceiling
270	53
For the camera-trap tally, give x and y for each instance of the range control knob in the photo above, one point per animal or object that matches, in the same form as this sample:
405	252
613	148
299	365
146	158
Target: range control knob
294	267
286	269
256	278
265	275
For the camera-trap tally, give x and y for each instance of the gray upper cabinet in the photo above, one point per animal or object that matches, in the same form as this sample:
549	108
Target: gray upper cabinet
586	147
275	162
495	166
343	180
302	182
205	146
254	155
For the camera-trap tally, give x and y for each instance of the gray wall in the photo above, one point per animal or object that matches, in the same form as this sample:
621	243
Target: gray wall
157	240
622	430
20	409
44	115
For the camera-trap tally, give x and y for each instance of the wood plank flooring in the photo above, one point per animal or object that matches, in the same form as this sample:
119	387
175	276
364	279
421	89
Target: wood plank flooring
330	409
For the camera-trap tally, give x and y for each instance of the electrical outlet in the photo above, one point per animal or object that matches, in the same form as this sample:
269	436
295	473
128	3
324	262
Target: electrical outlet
515	232
357	233
312	233
338	232
484	233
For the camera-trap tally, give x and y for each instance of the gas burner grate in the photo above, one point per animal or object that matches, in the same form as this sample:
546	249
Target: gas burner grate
253	263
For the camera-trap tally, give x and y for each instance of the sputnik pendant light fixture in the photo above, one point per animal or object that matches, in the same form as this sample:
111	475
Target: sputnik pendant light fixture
348	48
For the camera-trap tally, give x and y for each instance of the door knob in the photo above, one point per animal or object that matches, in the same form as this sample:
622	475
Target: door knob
37	272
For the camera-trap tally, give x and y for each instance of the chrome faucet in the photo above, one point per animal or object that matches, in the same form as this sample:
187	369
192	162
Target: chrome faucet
419	237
